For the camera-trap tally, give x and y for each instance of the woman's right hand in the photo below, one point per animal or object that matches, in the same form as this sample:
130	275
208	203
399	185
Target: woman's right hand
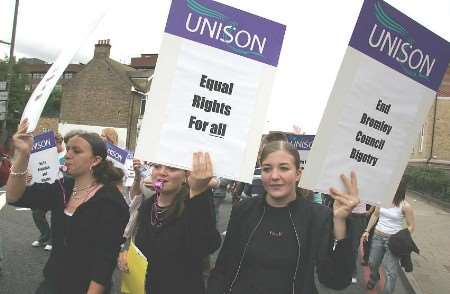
22	141
365	236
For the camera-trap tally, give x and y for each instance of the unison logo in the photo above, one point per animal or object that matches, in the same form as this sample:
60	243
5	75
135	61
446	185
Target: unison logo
395	41
218	26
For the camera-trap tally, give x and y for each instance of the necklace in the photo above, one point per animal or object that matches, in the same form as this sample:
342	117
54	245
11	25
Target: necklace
158	213
76	190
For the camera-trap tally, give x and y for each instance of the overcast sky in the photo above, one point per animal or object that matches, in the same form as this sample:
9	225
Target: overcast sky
316	38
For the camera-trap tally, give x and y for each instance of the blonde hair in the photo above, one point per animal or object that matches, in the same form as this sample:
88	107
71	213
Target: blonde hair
111	135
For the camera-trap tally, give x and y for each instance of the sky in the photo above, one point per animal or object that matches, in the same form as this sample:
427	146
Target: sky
316	39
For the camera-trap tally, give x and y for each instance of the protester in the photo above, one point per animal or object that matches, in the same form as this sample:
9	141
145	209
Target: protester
110	135
176	229
60	148
390	221
140	190
220	187
88	213
39	215
273	243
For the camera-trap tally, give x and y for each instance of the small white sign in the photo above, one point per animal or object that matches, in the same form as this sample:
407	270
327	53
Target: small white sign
44	164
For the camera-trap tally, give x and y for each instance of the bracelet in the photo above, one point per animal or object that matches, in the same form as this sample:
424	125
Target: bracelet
16	174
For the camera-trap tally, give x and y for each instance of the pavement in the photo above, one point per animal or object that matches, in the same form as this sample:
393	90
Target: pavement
22	269
431	274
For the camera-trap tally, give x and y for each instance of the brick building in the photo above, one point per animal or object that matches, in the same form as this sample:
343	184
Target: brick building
433	143
105	93
35	69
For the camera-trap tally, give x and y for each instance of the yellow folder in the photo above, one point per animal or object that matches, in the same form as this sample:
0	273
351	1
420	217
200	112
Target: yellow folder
133	282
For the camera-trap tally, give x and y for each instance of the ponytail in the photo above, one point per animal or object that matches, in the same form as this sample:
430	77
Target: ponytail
107	173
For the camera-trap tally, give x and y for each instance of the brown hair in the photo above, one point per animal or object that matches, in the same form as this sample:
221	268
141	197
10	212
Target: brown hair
111	135
401	191
280	146
104	172
274	136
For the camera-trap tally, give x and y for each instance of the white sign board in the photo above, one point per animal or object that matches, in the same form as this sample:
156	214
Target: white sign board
211	88
44	164
385	87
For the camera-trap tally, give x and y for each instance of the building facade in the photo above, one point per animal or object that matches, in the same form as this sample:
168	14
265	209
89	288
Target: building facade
433	143
105	93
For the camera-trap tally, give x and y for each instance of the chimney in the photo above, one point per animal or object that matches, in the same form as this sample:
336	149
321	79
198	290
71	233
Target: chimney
102	49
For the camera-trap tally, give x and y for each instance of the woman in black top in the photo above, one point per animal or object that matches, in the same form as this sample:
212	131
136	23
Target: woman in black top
274	242
89	214
176	230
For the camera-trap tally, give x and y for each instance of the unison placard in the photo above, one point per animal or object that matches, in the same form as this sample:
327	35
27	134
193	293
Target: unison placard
385	87
211	87
44	164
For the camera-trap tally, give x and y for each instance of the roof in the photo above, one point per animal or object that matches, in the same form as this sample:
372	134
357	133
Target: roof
146	61
140	77
43	68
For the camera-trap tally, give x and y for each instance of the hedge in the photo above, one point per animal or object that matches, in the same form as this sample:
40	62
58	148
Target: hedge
432	181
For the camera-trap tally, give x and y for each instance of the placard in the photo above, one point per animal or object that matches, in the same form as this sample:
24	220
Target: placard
44	164
385	87
211	88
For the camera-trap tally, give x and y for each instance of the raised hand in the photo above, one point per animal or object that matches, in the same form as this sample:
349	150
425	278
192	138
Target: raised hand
344	202
202	172
22	141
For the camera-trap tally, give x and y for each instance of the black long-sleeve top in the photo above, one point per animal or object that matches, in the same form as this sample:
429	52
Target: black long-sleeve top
175	250
315	248
85	245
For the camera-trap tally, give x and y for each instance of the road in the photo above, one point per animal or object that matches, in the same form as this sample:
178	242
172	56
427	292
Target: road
23	264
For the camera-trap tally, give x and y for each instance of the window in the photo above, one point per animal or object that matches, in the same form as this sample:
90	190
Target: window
37	75
143	102
422	132
68	75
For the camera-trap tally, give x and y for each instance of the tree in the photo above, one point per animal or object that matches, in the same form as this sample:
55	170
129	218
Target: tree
18	95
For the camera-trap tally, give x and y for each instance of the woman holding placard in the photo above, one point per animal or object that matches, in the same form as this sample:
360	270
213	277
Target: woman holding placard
176	228
274	242
89	214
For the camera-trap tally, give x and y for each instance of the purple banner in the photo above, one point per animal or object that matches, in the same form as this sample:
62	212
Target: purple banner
43	141
116	153
226	28
394	39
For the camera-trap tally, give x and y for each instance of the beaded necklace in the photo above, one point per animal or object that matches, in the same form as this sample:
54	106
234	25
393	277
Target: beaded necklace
158	213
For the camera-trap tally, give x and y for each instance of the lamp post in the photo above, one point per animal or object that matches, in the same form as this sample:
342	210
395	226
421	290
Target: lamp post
10	68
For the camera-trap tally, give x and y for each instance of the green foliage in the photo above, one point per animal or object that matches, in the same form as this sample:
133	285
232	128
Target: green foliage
18	95
433	181
53	104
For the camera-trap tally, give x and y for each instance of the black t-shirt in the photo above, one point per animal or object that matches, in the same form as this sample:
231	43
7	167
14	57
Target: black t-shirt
271	257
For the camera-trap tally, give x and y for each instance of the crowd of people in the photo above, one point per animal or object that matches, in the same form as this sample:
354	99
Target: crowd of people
277	238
